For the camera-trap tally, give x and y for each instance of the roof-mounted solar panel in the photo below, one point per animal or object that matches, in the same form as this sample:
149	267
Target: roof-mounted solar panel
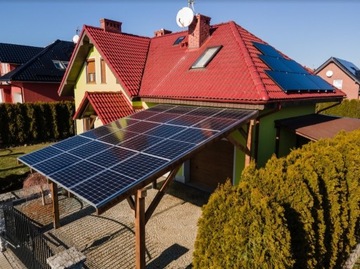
267	50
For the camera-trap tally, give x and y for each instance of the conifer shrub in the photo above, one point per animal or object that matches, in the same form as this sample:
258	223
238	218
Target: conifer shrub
242	228
35	122
317	189
347	108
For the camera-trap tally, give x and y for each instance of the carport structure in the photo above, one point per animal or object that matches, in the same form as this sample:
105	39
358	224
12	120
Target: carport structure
116	161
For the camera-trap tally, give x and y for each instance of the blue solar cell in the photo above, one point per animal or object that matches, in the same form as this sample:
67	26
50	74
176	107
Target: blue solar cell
321	83
170	149
234	114
72	142
98	132
187	120
111	156
75	173
294	67
56	163
181	109
204	111
141	127
143	115
216	124
195	136
140	142
163	117
39	155
89	149
348	65
117	137
162	108
121	123
102	187
165	130
140	166
275	64
284	80
267	50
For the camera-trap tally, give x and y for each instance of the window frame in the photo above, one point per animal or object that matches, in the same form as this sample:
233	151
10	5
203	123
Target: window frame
206	57
103	71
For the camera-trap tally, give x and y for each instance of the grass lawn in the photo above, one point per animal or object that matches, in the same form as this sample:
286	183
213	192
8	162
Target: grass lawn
12	173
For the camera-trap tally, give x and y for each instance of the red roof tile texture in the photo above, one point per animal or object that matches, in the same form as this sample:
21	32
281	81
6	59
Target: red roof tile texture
108	106
235	75
124	53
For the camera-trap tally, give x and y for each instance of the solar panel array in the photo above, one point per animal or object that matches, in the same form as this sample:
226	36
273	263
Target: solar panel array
288	74
104	163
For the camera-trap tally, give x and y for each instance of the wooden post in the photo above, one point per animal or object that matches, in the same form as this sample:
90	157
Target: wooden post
249	142
140	229
55	202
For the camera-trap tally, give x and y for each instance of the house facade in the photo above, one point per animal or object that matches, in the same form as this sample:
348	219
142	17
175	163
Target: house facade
32	74
342	74
222	66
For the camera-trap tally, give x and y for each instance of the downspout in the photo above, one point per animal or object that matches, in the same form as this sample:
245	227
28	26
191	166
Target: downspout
257	129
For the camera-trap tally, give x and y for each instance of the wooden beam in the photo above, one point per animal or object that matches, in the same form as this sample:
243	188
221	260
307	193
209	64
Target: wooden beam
140	229
238	145
131	202
155	202
55	202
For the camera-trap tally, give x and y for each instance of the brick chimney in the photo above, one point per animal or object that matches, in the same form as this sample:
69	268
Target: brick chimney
199	31
110	25
162	32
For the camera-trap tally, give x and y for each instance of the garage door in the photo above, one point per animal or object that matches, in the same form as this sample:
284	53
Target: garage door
212	166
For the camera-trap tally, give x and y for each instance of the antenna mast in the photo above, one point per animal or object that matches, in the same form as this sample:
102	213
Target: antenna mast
191	4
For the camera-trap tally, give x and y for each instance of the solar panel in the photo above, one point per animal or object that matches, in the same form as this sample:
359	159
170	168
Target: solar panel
102	187
89	149
267	50
39	155
72	142
56	163
139	166
103	163
322	84
275	64
169	149
111	156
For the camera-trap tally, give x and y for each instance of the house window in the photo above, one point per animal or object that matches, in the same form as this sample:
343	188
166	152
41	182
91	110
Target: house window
206	57
338	83
90	71
103	71
1	96
17	97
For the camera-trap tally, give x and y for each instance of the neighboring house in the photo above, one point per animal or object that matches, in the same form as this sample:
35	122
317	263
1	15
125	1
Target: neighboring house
31	74
11	57
220	65
342	74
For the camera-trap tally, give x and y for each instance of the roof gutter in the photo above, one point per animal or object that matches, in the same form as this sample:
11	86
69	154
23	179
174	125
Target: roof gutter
325	108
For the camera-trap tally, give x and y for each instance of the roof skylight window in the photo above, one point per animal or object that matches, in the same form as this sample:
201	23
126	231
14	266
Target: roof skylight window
206	57
178	40
61	65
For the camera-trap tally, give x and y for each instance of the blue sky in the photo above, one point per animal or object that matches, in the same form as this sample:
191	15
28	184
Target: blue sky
309	31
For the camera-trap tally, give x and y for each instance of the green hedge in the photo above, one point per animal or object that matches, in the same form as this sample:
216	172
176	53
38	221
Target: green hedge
347	108
312	195
31	123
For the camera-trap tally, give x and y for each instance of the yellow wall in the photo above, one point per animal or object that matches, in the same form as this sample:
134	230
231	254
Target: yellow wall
82	86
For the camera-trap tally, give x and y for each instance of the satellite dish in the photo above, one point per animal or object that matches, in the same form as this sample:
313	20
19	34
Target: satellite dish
329	73
75	38
184	17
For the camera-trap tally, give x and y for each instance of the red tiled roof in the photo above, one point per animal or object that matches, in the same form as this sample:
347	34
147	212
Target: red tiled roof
235	75
124	53
109	106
